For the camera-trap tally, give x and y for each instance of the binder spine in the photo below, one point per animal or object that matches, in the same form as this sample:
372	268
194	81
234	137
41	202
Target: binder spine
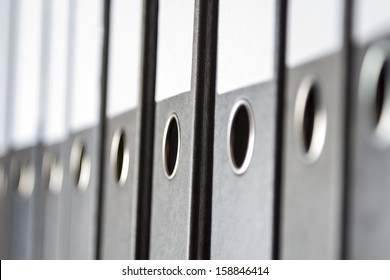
103	131
54	128
149	50
85	127
368	153
313	132
173	133
280	46
245	119
25	95
122	117
203	80
5	27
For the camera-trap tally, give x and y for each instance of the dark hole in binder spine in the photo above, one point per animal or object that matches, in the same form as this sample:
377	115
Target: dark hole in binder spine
52	172
309	116
120	157
3	180
81	165
381	91
171	146
239	138
374	87
22	172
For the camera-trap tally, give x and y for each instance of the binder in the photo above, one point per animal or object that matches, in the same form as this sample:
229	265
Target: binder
4	62
183	131
244	135
121	164
24	179
55	130
368	223
312	170
83	146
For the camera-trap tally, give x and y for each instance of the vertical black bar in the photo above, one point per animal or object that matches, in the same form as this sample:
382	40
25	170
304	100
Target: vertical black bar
205	39
281	31
102	122
348	128
149	51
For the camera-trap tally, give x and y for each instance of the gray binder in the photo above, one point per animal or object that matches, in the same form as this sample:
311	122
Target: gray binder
183	131
121	164
55	130
369	147
244	135
24	179
4	62
82	148
313	144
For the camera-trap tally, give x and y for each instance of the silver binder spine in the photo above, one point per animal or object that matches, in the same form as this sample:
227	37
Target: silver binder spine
5	22
121	153
83	146
244	135
24	179
312	185
368	223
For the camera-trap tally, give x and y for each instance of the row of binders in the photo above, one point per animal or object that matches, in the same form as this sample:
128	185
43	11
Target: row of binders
194	129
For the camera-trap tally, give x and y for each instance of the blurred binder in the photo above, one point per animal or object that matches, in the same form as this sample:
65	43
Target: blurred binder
24	179
313	144
121	164
4	129
244	135
83	145
183	130
369	154
55	131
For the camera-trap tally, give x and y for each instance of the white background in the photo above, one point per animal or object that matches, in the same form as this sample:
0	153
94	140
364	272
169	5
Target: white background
283	270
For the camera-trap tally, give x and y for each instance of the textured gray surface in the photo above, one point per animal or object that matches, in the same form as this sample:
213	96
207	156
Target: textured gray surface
4	209
120	201
242	207
369	195
64	201
53	208
312	191
171	199
83	204
26	216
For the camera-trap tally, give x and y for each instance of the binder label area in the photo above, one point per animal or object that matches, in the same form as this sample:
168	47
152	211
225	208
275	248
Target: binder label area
246	56
174	47
124	57
4	35
306	20
371	20
26	80
56	125
85	101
